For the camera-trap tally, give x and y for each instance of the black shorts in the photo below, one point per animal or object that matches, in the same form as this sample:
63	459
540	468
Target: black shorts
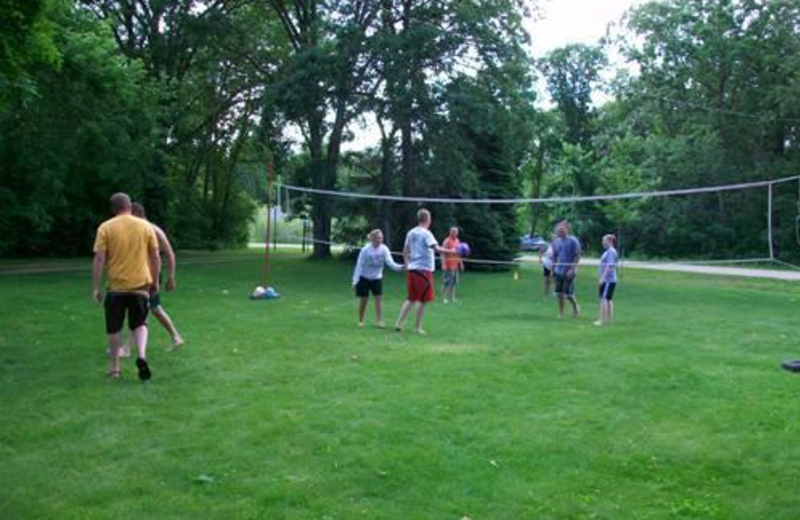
564	285
117	305
547	272
154	301
606	290
364	287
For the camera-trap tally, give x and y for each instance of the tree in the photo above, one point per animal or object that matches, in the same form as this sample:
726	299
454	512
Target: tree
90	133
711	104
320	82
572	73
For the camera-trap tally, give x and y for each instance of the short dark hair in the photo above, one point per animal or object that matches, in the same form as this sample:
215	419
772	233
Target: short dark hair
137	209
120	202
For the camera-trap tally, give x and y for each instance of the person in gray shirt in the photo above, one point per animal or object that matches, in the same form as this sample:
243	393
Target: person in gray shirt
566	256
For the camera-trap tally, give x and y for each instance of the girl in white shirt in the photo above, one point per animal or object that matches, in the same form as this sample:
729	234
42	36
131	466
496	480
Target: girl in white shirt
368	275
546	257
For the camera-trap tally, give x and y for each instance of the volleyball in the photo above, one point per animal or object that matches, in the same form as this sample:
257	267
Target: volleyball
463	249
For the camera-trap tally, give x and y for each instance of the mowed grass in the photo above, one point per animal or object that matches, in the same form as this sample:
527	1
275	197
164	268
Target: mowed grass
286	410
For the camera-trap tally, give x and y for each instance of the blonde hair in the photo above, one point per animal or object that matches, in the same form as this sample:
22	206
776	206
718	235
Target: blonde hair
611	238
372	235
423	215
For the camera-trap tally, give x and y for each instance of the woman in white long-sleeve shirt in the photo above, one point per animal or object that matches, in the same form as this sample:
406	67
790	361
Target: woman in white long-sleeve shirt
368	275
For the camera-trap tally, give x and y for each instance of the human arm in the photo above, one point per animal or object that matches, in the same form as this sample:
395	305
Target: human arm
97	275
357	271
169	253
388	260
572	270
154	259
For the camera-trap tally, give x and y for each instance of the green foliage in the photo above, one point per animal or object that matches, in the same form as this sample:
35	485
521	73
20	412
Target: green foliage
572	72
89	133
26	41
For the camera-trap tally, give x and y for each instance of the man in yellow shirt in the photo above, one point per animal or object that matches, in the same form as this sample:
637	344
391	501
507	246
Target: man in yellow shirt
127	247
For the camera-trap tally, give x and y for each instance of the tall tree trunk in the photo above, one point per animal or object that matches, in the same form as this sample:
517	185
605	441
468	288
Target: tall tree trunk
321	210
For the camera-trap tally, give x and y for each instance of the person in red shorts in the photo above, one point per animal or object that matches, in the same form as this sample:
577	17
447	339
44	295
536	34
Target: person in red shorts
419	254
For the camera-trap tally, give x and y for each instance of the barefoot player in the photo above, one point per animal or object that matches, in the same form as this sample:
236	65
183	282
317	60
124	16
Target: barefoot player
566	255
155	298
419	252
368	276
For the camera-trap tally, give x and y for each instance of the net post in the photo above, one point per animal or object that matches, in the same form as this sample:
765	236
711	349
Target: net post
769	222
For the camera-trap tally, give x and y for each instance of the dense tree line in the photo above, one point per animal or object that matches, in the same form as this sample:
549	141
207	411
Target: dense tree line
183	102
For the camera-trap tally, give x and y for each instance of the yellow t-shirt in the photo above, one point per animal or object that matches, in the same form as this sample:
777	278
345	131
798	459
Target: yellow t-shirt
127	241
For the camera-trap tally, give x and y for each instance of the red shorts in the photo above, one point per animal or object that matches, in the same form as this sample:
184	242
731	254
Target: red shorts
420	286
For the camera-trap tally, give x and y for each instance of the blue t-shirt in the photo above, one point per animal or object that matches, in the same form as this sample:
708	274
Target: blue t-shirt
609	259
565	252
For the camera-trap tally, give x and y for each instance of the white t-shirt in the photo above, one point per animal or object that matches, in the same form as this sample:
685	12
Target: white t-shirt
420	243
547	257
371	261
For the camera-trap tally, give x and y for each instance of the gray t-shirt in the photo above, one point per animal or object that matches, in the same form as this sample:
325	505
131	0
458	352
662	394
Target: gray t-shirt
420	243
609	261
565	252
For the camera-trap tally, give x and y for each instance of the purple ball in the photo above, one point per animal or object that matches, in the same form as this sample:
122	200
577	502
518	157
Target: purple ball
463	249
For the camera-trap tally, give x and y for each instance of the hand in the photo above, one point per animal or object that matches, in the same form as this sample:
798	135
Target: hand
170	285
97	296
155	287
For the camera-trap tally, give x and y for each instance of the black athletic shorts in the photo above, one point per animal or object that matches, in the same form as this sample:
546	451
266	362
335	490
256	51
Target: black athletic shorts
154	301
364	287
117	305
564	285
606	290
547	272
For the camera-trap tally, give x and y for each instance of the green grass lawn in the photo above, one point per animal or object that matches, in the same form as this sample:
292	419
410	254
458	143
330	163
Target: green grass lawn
285	409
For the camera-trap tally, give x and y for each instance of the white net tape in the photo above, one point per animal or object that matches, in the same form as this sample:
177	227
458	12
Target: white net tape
543	200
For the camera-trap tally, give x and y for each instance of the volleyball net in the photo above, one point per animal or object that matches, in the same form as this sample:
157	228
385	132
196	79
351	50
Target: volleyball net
754	222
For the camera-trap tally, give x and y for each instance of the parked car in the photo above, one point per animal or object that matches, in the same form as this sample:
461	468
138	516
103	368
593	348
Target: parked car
531	242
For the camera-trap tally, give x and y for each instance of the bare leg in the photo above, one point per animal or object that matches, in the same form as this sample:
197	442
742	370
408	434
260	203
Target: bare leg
560	305
576	309
114	341
609	311
379	311
420	316
401	319
546	286
362	310
164	319
601	320
140	335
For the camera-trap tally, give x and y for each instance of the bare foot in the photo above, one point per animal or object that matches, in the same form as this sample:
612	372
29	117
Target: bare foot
421	332
381	325
177	341
598	323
